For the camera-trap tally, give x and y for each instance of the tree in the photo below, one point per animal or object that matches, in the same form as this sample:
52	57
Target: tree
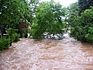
73	9
72	13
11	11
48	19
82	26
32	5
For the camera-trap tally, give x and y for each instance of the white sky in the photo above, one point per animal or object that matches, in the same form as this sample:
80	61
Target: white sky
65	3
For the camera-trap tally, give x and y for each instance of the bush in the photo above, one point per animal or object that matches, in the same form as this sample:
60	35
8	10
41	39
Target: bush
14	37
37	31
4	43
82	26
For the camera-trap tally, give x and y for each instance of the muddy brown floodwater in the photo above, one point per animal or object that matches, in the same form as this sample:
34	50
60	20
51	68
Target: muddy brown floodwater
66	54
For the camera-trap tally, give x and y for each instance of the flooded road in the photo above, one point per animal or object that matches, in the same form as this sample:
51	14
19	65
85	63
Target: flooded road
66	54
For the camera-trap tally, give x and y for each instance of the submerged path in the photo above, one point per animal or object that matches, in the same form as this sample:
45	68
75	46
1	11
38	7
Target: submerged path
66	54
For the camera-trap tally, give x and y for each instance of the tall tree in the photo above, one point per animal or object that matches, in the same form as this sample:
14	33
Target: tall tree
32	5
73	9
48	19
11	11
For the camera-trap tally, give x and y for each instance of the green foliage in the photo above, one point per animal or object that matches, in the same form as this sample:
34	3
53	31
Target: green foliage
48	19
13	36
72	13
4	44
82	26
11	11
73	9
5	41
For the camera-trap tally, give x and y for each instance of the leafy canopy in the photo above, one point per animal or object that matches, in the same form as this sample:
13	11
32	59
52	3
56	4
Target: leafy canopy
48	18
11	11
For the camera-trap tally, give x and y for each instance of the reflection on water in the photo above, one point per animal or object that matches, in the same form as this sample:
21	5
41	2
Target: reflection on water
66	54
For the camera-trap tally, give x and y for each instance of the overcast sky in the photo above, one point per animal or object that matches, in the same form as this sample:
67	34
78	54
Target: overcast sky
65	3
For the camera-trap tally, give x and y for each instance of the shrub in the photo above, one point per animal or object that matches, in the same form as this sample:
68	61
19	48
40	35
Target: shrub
6	41
82	26
37	31
4	44
14	37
